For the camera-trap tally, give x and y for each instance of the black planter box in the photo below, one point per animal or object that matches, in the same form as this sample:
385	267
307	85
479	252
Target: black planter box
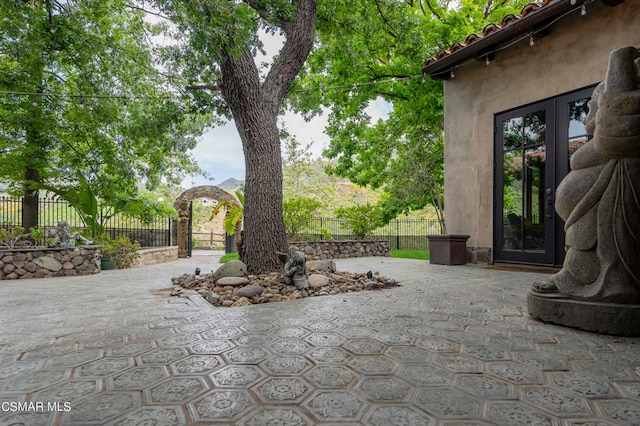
448	249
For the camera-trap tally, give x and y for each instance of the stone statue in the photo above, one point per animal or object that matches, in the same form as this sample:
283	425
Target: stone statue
295	269
599	200
183	228
62	234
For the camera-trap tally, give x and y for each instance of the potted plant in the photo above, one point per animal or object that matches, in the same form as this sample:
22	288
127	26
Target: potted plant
120	253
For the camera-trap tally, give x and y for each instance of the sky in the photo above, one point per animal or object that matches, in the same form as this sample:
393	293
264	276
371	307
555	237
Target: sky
219	150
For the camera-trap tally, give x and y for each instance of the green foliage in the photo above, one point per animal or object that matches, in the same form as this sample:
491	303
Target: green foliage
298	213
121	250
14	236
369	54
361	220
410	254
229	256
82	91
234	213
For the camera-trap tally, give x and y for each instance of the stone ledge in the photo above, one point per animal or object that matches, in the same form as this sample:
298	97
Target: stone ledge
606	318
342	249
153	255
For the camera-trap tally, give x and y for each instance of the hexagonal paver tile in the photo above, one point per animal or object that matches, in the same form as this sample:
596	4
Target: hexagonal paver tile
321	326
330	376
33	380
329	355
130	349
335	405
407	320
539	360
252	338
447	403
485	387
517	414
385	388
290	416
556	401
282	390
292	321
354	332
394	338
100	408
221	406
105	366
424	375
29	418
604	370
66	391
397	415
625	412
175	340
13	369
74	359
373	364
103	342
175	390
157	416
50	351
437	344
27	345
631	389
211	347
486	352
325	339
423	331
459	363
222	333
408	353
289	332
196	364
285	365
516	372
289	346
138	377
162	355
246	355
583	385
237	376
364	346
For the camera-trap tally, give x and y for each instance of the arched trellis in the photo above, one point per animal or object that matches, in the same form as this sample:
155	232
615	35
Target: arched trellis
181	229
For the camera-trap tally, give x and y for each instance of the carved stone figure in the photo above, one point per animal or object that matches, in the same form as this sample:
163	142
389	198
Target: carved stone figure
295	269
183	228
599	201
62	234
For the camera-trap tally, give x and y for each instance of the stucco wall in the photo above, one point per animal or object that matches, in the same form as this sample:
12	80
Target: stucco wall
572	56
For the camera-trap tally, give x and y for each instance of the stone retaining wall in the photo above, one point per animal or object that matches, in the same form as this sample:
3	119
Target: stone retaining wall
50	262
153	255
316	250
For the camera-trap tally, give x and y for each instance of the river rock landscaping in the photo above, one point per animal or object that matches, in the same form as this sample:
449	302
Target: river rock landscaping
231	291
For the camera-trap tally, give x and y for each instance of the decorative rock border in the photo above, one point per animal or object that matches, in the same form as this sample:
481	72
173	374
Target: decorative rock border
49	262
317	250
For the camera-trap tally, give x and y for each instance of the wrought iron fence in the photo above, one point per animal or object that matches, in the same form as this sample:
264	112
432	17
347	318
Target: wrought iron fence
153	233
402	234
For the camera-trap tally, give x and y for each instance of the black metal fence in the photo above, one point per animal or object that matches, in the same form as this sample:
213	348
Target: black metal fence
153	233
402	234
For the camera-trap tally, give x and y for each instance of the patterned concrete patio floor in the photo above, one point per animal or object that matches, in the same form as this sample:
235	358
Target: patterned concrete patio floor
451	346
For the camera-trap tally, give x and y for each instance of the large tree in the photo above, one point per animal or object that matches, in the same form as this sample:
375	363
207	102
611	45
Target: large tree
79	92
217	41
371	54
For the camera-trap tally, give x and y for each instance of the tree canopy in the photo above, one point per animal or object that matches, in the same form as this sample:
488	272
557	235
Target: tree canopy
372	52
80	91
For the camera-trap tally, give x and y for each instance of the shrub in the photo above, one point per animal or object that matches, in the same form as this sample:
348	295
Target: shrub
361	220
121	250
298	213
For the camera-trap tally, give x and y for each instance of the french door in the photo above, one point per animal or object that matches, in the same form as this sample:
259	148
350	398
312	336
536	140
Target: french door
532	149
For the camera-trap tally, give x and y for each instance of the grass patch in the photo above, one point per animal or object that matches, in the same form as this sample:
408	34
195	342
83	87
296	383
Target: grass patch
411	254
229	256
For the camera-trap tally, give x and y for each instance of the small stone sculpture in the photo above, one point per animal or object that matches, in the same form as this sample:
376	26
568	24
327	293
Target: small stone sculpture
61	234
598	288
295	269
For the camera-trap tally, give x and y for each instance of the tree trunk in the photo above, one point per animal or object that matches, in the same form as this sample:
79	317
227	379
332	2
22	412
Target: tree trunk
255	108
30	200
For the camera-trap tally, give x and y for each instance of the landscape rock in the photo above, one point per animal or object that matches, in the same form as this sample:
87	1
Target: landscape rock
318	281
48	263
321	265
249	291
232	281
233	268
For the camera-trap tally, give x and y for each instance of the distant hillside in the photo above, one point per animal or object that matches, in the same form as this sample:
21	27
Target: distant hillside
232	185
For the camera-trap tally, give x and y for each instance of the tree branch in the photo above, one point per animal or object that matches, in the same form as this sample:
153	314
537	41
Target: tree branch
437	15
392	32
212	87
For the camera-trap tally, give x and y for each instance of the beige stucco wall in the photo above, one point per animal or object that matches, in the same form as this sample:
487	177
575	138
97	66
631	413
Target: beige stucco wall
573	56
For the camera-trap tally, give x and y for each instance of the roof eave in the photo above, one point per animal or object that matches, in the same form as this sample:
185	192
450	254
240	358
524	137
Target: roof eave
441	69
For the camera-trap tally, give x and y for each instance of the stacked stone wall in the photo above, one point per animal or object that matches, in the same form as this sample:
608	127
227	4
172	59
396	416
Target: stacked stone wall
44	263
153	255
317	250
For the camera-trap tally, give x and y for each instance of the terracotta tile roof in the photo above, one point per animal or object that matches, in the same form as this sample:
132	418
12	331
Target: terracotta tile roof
532	17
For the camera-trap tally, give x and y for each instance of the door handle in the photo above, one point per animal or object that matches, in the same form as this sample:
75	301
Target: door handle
548	203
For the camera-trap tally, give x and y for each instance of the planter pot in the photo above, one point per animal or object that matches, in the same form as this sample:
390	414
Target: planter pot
107	264
68	245
448	249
